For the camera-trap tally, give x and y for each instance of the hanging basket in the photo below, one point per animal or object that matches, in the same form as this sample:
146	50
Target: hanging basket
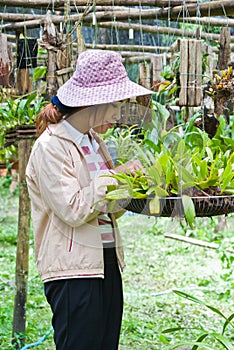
10	137
26	131
172	206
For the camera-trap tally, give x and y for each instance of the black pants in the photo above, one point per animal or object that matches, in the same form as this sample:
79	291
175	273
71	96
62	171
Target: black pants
87	312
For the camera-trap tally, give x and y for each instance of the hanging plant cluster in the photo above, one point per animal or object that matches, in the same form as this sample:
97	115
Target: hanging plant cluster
221	89
180	166
17	121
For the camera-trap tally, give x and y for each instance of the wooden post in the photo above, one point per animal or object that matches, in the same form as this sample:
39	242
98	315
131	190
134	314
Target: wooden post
52	85
145	79
157	67
223	100
191	77
183	72
80	40
190	73
21	277
23	82
224	49
4	61
145	75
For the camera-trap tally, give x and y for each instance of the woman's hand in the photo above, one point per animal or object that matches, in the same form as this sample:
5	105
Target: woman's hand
129	167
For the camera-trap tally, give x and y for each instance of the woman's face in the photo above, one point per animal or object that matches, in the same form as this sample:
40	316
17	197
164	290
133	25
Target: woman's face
106	115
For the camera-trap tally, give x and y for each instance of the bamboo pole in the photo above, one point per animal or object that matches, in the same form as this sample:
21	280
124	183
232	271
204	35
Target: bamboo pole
21	277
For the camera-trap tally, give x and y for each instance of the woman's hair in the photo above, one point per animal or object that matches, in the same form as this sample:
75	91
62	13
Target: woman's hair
50	114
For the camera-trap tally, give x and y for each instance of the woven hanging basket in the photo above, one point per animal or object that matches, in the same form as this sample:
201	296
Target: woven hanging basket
172	206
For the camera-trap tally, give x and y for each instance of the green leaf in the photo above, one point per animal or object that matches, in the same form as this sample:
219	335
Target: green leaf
203	169
226	176
198	301
154	205
189	210
172	330
184	174
190	343
120	193
209	154
159	191
228	321
137	194
199	340
39	72
223	340
154	173
162	110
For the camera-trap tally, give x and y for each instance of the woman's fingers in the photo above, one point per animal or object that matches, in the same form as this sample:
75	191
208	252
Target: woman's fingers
130	167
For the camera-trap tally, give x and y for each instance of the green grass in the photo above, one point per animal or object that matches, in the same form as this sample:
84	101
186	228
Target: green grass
155	267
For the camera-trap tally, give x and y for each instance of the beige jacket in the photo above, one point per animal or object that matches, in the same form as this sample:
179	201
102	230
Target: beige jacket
67	239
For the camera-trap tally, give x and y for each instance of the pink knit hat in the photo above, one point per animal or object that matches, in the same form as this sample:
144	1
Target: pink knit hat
100	77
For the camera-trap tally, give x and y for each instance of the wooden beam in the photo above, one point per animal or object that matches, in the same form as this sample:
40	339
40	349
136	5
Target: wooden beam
214	8
18	17
137	59
29	21
194	241
141	48
161	30
210	21
48	4
144	48
103	12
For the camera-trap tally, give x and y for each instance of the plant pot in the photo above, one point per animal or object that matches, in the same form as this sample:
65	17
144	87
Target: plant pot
172	206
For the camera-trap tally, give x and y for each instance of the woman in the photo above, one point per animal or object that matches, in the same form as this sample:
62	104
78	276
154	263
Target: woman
77	243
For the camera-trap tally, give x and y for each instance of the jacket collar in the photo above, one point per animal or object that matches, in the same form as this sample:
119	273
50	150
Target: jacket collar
61	131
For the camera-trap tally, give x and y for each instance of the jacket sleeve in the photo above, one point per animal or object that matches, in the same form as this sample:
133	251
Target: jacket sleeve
64	183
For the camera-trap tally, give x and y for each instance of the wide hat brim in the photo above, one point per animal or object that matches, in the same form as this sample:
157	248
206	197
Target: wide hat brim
72	95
